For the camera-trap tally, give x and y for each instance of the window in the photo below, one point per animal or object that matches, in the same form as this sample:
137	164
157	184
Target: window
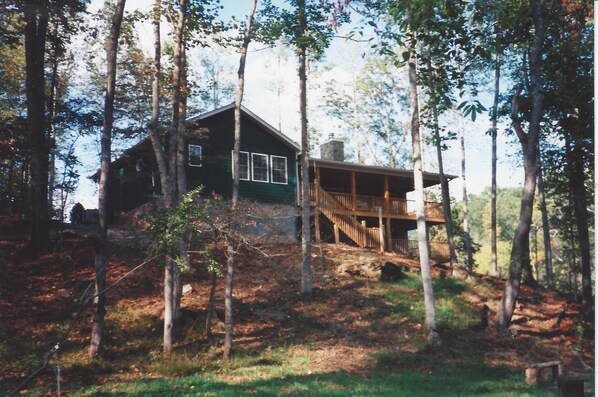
279	169
259	167
243	165
195	155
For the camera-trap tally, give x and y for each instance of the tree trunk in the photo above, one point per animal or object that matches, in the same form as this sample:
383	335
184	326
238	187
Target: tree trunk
101	259
466	234
306	276
545	228
182	182
211	305
446	199
529	142
494	261
422	235
169	191
153	125
36	26
578	190
230	262
52	129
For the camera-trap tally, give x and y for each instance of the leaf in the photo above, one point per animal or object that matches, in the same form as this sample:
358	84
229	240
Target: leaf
405	55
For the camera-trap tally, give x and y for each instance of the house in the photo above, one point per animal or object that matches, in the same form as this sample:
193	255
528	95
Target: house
360	204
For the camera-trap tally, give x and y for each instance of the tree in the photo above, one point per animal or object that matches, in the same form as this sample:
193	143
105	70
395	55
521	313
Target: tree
529	143
101	258
424	254
370	107
308	28
37	17
230	263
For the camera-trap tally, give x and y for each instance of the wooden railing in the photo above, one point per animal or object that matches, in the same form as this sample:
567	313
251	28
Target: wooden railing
438	250
370	204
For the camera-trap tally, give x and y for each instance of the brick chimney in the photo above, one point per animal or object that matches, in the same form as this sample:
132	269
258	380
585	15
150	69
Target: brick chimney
334	149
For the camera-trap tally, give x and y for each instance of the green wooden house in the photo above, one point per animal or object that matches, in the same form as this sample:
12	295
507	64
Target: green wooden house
358	204
267	162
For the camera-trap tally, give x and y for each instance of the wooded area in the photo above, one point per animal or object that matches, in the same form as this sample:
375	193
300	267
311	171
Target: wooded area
429	70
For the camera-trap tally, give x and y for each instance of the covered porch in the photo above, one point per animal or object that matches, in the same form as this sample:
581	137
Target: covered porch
369	205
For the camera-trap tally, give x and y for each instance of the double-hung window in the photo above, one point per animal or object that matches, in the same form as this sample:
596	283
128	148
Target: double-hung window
259	167
279	169
243	165
195	156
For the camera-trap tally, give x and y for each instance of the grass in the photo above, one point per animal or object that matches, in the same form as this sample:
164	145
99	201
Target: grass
284	371
452	310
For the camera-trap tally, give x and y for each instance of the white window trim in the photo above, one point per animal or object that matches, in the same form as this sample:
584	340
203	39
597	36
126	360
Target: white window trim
267	166
232	158
200	156
286	170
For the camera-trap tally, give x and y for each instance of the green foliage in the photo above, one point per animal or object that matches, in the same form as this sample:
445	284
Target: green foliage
171	226
276	23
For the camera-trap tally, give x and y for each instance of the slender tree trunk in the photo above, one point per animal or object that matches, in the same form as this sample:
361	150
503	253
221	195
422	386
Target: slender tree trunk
52	128
169	191
529	142
153	125
422	232
494	238
231	248
101	259
446	199
36	26
306	276
466	234
580	207
181	183
545	228
211	305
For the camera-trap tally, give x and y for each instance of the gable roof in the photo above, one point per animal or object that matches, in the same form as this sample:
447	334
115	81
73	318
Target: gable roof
258	120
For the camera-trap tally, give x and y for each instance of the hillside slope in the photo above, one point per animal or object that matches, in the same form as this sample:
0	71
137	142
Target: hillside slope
354	325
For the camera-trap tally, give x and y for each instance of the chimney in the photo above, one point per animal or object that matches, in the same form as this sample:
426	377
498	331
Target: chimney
334	149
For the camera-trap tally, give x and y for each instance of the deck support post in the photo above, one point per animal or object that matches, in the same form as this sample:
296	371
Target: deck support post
388	234
364	233
337	237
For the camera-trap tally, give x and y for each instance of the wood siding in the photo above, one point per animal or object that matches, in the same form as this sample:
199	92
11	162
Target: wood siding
215	135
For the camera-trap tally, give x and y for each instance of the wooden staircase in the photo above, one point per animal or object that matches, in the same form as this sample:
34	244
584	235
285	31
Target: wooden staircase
342	217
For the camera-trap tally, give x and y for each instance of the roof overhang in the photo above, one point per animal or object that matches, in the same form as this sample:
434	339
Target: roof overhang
431	178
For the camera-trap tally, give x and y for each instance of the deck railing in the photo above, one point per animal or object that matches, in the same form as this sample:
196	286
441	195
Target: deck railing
395	206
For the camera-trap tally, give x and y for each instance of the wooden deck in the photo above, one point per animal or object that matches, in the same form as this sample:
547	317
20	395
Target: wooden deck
343	209
394	208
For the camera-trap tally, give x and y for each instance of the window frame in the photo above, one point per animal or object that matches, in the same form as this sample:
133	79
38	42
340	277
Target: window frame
267	168
232	158
286	170
189	156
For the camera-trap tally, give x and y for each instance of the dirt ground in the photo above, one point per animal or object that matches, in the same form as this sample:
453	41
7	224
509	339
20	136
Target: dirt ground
37	297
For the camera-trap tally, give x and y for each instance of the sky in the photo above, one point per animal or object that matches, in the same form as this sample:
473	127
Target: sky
269	68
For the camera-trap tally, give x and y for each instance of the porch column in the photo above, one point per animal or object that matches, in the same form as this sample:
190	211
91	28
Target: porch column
317	206
386	195
381	229
387	210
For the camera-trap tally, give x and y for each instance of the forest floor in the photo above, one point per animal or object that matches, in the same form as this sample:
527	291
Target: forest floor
354	336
